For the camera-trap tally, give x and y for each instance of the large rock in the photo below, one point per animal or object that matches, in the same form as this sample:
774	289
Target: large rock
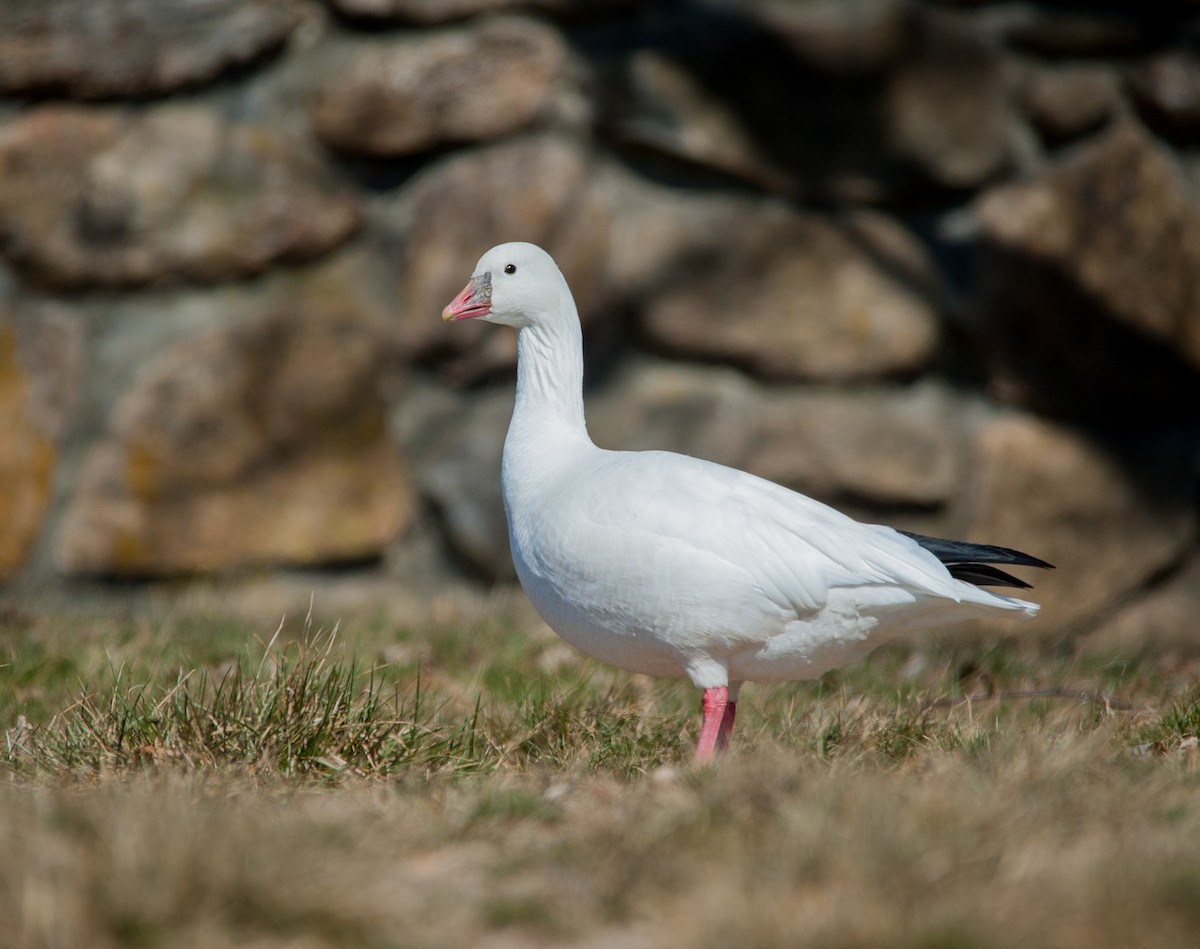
881	447
1109	516
839	36
1088	280
109	197
112	48
654	105
793	295
261	442
761	89
705	411
391	98
536	189
1166	88
655	229
947	106
40	363
1065	102
1161	620
456	461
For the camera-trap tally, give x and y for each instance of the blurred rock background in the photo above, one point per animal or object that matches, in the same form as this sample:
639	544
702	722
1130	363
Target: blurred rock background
937	263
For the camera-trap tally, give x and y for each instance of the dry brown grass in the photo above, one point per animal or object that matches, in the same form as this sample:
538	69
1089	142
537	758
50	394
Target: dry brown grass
851	813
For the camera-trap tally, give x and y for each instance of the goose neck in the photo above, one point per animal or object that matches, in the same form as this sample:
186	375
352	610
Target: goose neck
550	377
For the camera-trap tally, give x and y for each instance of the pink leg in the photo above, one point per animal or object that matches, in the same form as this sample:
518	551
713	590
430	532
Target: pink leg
713	705
726	726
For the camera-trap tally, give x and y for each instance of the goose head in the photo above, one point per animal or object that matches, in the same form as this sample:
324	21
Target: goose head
514	284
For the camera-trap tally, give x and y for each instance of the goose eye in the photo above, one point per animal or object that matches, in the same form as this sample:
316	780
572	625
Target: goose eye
510	268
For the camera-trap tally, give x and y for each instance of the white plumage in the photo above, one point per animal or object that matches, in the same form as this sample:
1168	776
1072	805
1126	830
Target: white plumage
672	566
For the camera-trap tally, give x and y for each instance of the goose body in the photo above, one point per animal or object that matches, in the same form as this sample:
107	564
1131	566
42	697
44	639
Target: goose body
670	565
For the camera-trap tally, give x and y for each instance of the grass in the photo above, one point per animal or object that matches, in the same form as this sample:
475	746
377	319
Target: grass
195	781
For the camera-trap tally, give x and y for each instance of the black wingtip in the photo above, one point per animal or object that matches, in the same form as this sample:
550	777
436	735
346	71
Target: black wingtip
984	575
961	551
1023	559
972	562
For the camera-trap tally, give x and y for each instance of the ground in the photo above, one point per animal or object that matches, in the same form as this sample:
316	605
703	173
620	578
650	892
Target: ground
186	780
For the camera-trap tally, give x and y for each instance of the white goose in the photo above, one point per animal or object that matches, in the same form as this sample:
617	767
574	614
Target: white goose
668	565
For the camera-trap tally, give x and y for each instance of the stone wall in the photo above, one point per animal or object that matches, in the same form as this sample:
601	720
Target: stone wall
937	263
